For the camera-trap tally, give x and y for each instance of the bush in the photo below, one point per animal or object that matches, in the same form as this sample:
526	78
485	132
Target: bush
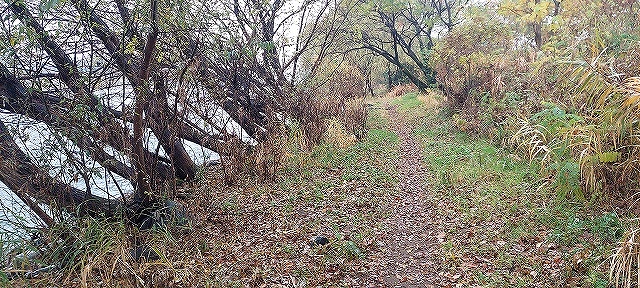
473	58
339	97
497	86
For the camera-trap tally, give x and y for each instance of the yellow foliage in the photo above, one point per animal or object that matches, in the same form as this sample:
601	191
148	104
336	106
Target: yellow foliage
526	11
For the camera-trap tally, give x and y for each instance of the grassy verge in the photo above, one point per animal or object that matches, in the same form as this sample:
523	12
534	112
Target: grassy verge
502	225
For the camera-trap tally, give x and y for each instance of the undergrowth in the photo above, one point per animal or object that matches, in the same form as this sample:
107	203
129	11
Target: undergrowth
253	233
499	222
505	224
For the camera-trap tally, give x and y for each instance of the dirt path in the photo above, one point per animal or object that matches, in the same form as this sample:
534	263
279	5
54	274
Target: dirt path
410	248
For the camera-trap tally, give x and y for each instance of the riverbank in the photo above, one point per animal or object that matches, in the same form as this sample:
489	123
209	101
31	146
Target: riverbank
475	214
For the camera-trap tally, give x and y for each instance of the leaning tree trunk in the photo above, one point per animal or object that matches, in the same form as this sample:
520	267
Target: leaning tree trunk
46	109
247	92
185	168
28	181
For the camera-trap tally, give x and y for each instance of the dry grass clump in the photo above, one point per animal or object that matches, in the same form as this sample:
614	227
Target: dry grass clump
337	135
98	253
268	156
625	262
233	159
431	99
354	117
262	160
341	99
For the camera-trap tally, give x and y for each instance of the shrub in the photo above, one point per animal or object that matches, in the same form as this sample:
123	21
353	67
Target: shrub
339	97
474	58
262	160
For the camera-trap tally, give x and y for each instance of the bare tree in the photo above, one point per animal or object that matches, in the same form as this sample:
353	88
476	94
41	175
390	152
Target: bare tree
110	76
402	33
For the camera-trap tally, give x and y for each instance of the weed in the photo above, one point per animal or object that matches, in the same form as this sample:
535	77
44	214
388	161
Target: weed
597	280
351	250
567	179
4	280
500	209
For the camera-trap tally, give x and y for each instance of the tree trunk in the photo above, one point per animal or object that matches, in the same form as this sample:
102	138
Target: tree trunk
143	191
537	31
25	179
184	165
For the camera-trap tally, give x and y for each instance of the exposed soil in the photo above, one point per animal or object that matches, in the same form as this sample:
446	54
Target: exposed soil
410	247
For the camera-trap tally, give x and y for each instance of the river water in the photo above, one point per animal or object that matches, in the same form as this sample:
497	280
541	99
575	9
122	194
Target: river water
42	146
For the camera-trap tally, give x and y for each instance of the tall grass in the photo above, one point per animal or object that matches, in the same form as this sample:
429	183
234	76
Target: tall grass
608	142
341	99
589	148
625	262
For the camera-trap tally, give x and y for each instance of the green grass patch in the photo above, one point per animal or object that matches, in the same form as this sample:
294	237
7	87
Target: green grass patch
502	211
408	101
